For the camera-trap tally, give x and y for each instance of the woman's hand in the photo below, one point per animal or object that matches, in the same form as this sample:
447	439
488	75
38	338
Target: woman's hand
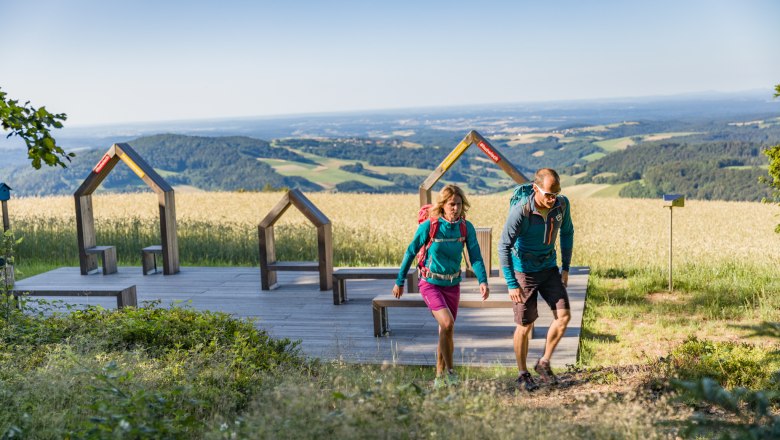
398	290
484	290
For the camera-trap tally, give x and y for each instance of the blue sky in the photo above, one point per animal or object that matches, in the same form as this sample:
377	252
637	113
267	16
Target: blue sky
111	61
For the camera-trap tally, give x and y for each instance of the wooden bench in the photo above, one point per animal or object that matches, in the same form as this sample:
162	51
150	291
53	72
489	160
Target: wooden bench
149	258
381	303
340	277
125	296
294	266
107	257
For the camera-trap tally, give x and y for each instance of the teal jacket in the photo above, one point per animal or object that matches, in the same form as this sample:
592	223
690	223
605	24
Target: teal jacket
444	257
530	240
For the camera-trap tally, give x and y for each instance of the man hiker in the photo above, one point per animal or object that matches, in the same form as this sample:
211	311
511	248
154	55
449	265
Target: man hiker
526	251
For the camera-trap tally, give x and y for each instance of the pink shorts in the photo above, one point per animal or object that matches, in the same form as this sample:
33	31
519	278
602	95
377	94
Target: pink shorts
439	297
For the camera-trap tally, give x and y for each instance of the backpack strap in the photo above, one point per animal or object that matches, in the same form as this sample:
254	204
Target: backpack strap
433	230
422	255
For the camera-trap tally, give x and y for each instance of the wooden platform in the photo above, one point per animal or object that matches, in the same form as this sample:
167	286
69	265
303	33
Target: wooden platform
299	310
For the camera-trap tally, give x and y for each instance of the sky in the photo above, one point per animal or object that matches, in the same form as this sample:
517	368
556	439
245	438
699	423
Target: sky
107	61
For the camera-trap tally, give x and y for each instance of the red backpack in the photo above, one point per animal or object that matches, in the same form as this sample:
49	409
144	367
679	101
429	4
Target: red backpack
422	215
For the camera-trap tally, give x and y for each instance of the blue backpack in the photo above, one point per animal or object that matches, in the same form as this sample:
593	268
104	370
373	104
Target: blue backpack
523	195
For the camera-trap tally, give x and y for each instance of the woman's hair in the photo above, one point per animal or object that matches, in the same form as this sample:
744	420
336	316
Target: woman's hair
449	191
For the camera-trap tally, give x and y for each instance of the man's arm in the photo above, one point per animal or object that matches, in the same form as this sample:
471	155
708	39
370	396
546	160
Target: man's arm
507	240
567	242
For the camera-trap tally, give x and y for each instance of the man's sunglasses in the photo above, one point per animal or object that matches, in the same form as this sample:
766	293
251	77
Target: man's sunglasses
549	195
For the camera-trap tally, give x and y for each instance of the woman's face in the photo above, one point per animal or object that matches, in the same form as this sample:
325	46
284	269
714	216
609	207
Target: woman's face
452	207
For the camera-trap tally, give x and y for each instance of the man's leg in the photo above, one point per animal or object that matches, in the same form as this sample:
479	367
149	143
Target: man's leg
446	340
556	331
554	293
521	337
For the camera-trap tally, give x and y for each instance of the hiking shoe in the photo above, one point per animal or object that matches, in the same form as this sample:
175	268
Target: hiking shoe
439	383
452	378
545	372
526	381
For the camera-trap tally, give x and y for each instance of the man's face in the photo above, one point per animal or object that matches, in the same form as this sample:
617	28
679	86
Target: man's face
546	193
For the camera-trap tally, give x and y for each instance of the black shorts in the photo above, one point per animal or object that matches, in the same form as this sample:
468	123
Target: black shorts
547	283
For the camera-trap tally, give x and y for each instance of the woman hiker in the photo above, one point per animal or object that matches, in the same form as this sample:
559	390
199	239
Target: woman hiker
444	234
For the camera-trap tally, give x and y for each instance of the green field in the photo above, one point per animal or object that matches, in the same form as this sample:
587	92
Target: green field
594	156
326	173
622	143
617	144
611	191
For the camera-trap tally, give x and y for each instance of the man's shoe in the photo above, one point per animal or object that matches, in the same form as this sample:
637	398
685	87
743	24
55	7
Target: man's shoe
526	381
545	372
452	378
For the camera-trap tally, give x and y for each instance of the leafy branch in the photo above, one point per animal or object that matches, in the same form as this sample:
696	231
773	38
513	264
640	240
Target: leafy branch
34	126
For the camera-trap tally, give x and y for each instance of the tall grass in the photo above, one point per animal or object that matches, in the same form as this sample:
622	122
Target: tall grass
221	229
725	274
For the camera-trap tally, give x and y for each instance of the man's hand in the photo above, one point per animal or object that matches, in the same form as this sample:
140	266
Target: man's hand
565	278
398	290
484	290
514	295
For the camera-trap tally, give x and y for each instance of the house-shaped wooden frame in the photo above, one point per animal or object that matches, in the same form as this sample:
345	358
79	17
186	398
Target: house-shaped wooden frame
85	221
265	231
472	138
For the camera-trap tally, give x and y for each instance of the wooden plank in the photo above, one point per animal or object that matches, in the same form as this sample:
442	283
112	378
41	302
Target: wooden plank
168	232
276	212
124	296
295	266
307	208
298	310
85	231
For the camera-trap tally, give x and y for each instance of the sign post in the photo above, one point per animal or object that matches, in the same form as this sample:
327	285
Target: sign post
671	201
5	194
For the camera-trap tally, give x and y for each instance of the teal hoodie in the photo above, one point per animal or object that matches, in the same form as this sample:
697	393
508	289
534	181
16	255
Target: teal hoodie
527	243
444	257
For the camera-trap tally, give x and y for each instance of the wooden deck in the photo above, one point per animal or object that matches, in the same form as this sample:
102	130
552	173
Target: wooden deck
299	310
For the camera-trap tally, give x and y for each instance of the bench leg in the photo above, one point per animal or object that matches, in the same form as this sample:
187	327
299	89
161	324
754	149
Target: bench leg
127	297
337	292
412	281
343	290
380	321
109	261
148	261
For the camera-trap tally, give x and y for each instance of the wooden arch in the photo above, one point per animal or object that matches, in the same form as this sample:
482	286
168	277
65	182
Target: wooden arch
85	221
265	230
472	138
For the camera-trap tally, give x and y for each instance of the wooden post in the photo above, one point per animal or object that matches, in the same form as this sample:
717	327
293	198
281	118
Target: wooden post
485	241
325	255
85	229
6	220
670	249
267	256
170	243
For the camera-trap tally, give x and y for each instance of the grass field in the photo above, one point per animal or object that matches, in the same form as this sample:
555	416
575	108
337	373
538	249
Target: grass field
636	335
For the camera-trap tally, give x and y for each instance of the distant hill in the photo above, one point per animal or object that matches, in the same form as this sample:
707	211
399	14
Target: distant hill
705	147
219	163
723	164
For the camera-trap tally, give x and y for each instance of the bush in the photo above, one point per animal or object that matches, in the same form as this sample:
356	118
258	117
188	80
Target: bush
730	364
131	373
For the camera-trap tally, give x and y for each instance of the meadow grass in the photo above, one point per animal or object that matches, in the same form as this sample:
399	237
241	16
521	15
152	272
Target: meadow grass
725	277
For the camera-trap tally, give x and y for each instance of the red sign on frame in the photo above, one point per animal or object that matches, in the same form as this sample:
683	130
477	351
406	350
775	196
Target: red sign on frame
101	164
492	154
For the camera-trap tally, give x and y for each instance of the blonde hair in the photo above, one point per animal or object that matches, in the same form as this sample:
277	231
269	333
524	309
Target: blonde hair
449	191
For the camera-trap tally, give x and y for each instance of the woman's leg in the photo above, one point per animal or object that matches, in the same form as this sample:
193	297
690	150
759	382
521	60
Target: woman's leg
446	340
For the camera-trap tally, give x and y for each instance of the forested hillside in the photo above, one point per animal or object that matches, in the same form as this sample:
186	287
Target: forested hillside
224	163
